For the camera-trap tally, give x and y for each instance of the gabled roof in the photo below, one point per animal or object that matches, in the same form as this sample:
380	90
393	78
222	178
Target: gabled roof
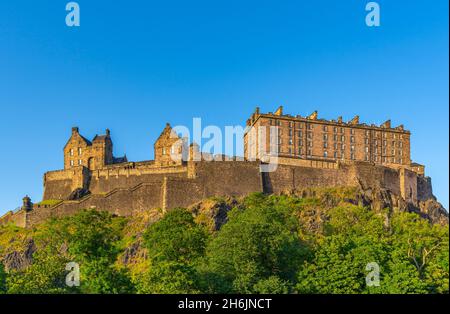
99	138
166	133
85	140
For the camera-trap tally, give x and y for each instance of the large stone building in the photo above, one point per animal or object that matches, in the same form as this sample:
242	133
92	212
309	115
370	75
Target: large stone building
311	153
312	138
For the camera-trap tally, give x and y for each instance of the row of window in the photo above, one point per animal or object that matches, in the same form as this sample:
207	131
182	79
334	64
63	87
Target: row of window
72	152
335	129
72	162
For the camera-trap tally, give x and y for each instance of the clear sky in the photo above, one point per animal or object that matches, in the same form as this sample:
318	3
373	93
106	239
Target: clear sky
134	65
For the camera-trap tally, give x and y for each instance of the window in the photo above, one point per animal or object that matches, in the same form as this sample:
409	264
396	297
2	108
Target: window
80	162
290	151
367	132
335	145
290	124
342	146
366	141
343	138
309	152
300	133
290	132
384	143
300	125
310	135
352	156
325	128
270	121
335	154
366	157
309	143
341	130
300	142
366	149
335	138
310	126
79	151
325	145
400	144
352	139
71	152
325	154
335	129
164	151
352	131
71	163
352	148
290	141
325	137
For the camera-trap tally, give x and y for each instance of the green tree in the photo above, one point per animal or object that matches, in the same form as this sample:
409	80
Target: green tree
176	238
354	238
258	243
93	242
175	243
90	239
46	275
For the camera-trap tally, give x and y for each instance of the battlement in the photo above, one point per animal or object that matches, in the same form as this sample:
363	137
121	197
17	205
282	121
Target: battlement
100	180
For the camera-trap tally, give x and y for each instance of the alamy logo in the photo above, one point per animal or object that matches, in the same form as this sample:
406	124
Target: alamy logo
73	17
373	277
373	17
73	277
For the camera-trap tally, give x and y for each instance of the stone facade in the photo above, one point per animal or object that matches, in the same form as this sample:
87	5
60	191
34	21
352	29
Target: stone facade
313	138
93	178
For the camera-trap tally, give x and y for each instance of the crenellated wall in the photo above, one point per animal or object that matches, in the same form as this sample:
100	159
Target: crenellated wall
133	187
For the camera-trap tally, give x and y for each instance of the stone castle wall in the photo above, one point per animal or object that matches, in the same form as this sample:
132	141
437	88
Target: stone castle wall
133	187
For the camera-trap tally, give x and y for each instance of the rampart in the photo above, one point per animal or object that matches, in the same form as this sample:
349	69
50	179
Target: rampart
133	187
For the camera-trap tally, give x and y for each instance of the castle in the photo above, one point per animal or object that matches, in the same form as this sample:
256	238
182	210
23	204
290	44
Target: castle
311	152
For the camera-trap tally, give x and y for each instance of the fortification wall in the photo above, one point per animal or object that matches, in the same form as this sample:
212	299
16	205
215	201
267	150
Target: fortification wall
123	191
233	178
18	218
105	181
424	188
122	201
323	174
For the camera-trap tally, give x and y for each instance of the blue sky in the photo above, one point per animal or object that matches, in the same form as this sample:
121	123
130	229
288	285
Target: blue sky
134	65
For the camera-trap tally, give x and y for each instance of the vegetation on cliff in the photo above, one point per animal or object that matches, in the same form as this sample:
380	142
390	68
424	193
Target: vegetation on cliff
318	243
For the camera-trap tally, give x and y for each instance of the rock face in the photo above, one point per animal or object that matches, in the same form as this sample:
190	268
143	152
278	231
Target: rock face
78	194
20	259
213	212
